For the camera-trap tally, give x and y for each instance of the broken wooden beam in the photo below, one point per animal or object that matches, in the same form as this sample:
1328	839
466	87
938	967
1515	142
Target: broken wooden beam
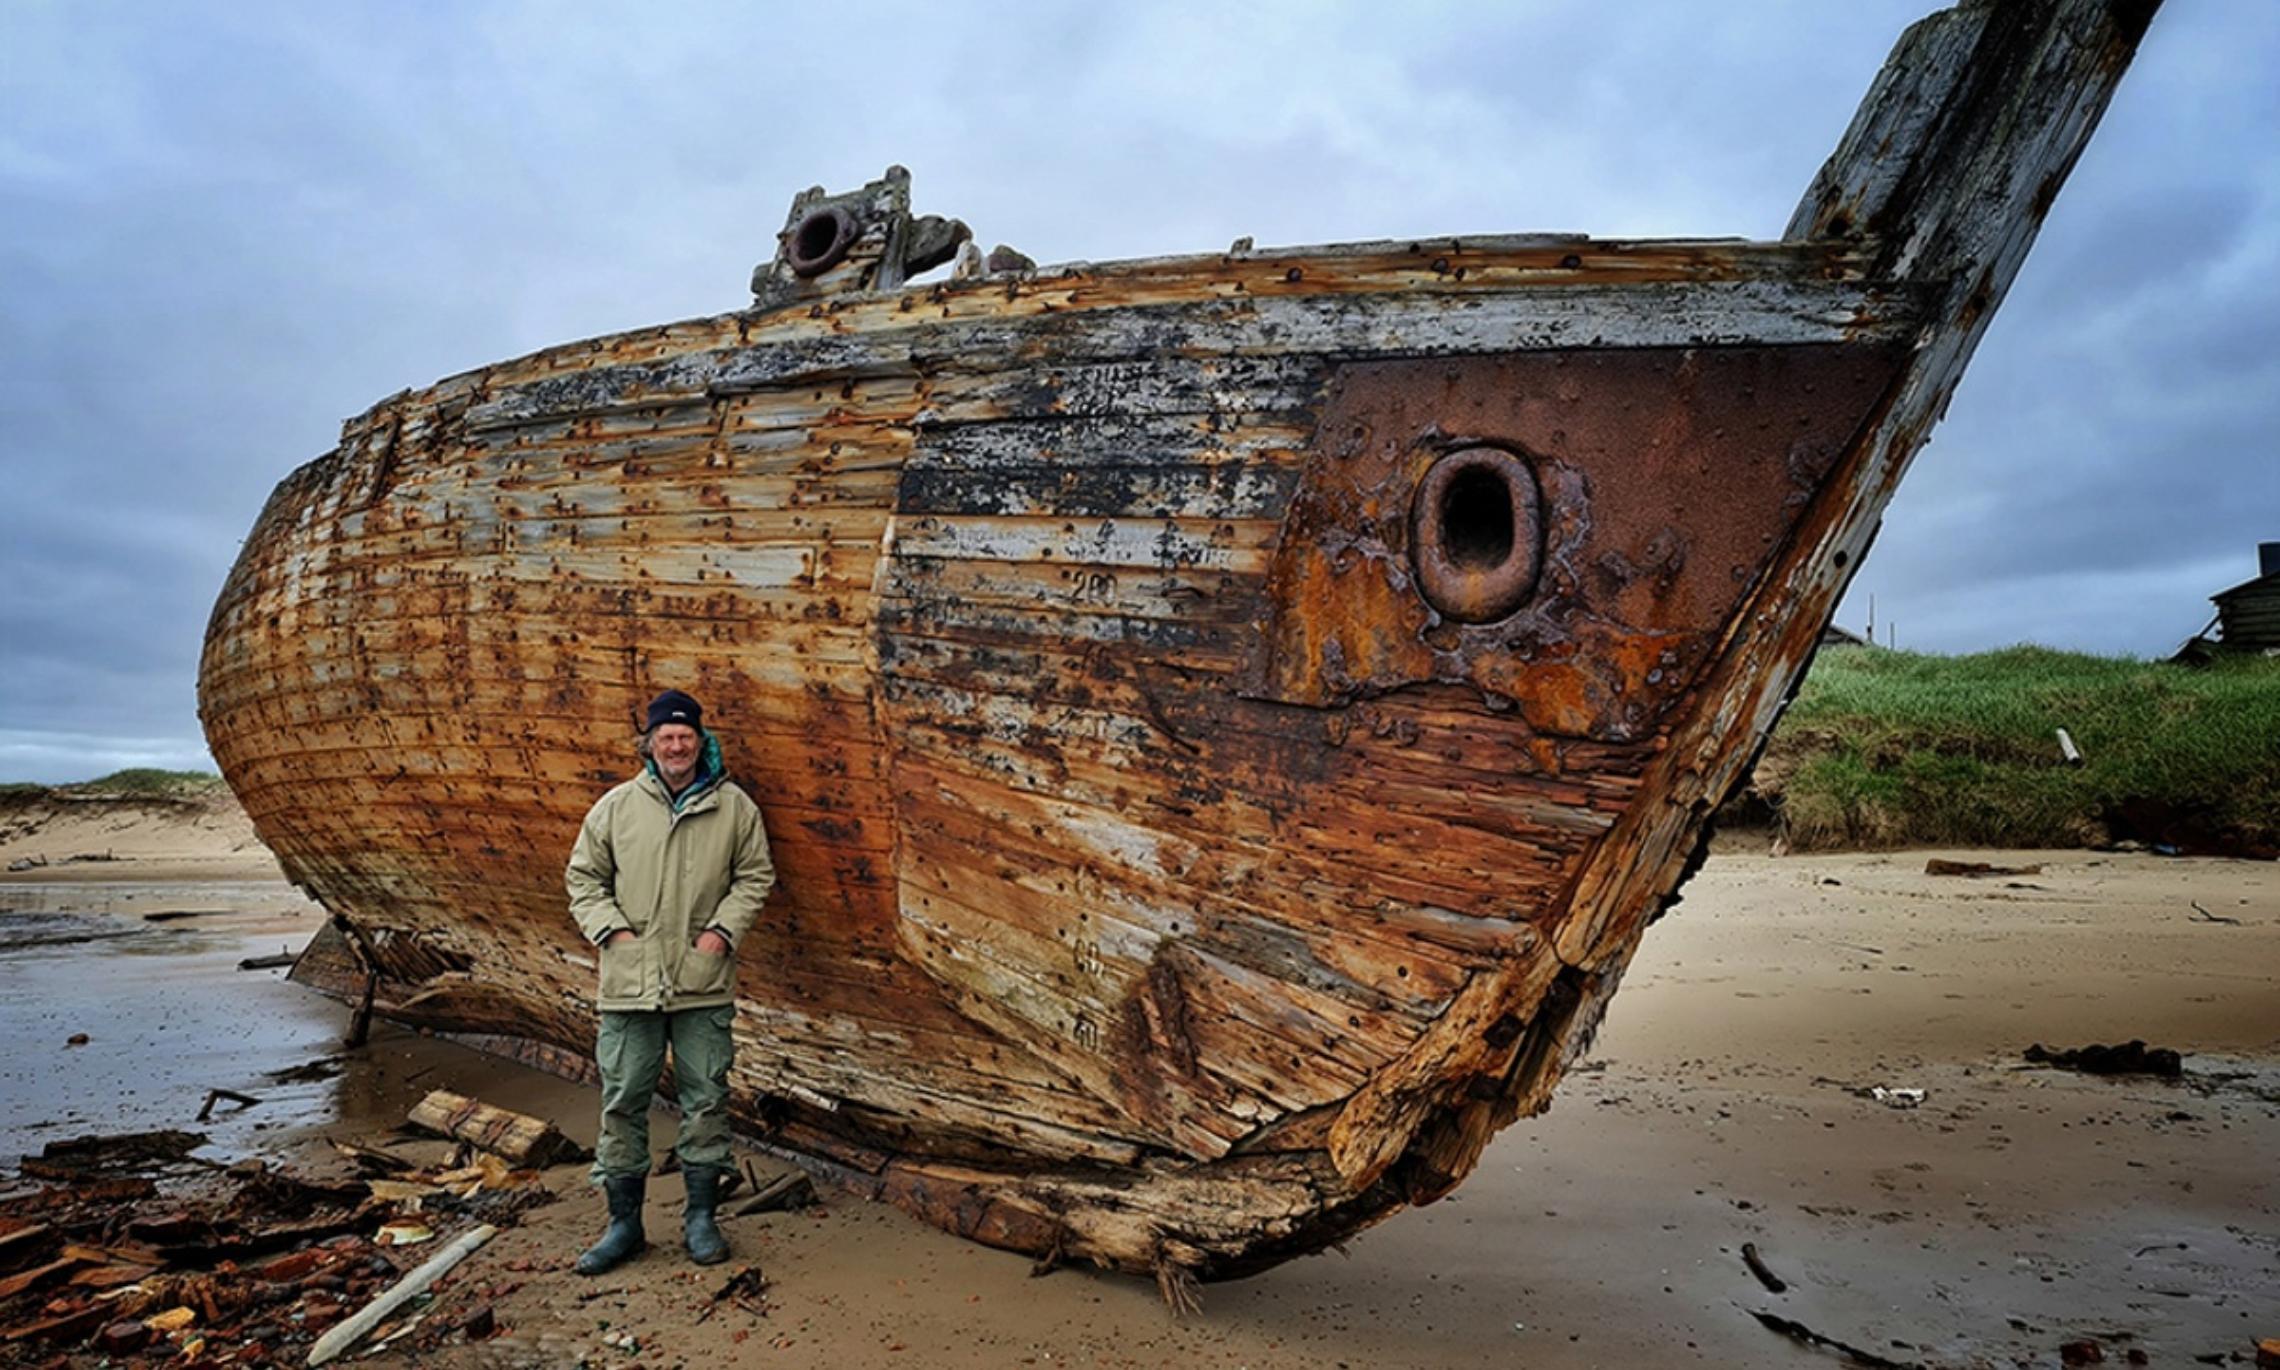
38	1275
373	1157
19	1238
218	1096
791	1191
65	1326
515	1137
74	1159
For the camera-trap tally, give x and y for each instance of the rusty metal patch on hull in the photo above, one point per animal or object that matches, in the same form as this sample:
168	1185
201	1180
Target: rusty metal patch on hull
1565	532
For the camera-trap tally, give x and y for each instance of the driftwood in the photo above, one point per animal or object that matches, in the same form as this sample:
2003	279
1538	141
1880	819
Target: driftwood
52	1272
96	1155
747	1289
373	1158
18	1236
360	947
1182	867
791	1191
60	1327
219	1095
2133	1057
1799	1332
161	1266
1975	870
1765	1276
516	1137
348	1333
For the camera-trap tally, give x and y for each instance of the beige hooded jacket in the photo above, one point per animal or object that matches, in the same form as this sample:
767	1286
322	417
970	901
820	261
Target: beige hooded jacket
667	876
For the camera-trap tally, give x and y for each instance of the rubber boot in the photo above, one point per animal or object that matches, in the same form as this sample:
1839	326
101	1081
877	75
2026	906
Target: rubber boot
698	1230
624	1239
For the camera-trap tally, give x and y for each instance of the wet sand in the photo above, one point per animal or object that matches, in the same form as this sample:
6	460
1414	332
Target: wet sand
114	1022
2014	1210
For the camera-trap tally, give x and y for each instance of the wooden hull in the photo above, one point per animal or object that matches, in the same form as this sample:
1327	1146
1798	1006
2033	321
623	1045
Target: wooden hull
1170	878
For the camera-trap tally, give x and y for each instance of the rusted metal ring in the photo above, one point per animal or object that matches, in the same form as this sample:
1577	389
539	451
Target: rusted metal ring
1476	534
819	241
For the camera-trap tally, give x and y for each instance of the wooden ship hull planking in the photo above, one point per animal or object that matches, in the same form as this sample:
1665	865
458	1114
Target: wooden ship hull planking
1224	721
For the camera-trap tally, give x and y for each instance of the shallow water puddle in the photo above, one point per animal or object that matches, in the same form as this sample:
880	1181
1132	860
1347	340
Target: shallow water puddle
164	1010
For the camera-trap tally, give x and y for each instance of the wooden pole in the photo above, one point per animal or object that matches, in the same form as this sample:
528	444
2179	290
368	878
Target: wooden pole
347	1334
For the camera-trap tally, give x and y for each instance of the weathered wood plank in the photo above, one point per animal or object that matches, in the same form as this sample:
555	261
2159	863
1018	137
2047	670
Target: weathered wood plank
1099	938
1633	314
1400	739
1179	595
1169	489
521	1139
1234	546
1215	864
1201	442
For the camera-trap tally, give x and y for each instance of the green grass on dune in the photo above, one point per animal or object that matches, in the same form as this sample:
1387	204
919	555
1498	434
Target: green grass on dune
142	782
156	784
1886	748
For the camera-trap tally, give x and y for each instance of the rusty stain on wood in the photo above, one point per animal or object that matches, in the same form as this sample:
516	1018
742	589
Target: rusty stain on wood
1224	721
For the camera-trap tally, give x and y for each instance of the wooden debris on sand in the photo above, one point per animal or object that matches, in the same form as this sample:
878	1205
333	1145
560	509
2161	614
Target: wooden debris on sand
346	1334
785	1192
2133	1057
242	1274
1976	870
516	1137
747	1289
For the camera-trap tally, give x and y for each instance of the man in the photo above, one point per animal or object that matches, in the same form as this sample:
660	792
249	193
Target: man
669	872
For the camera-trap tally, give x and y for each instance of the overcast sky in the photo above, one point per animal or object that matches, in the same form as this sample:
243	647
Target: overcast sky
225	227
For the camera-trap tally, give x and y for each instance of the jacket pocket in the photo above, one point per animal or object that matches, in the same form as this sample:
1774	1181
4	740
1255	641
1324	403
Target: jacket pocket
621	969
703	974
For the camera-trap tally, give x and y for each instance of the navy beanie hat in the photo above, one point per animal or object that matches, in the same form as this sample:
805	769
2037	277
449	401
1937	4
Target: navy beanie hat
675	707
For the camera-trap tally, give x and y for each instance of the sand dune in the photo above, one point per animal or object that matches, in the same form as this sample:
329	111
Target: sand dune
131	837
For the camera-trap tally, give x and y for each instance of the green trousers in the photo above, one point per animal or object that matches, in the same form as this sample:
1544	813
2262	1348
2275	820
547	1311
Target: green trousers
630	1049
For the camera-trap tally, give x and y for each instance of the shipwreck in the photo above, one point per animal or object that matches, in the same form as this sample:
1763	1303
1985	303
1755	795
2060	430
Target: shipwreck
1224	721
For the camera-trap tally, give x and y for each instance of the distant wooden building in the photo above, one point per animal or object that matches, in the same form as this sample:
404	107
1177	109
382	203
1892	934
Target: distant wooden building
1833	636
2248	615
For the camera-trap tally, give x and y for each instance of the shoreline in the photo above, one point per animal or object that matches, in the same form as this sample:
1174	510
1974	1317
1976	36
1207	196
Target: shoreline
172	870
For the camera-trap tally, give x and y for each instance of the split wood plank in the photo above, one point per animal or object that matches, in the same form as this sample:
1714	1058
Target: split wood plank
518	1138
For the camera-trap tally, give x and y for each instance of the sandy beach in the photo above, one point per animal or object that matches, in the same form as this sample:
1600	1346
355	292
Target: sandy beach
102	840
1727	1101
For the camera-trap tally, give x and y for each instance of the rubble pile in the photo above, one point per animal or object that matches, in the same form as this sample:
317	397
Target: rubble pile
132	1249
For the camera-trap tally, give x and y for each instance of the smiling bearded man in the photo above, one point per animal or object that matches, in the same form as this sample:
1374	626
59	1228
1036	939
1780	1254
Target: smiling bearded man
669	872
